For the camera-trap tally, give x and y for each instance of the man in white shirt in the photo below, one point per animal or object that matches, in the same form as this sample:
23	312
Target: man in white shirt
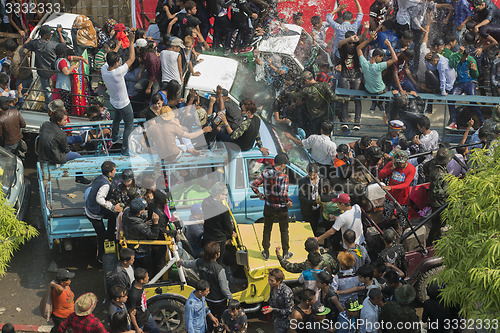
369	313
171	63
323	149
113	75
349	219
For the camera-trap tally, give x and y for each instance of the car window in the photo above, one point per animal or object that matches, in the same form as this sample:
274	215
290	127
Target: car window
256	166
240	175
293	177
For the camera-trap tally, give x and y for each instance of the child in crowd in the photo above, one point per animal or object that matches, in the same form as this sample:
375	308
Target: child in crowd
234	318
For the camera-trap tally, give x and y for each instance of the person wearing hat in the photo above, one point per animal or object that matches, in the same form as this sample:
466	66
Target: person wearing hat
466	82
82	320
436	172
393	138
11	123
317	97
400	312
327	294
121	187
113	76
343	156
401	174
171	63
45	56
106	33
320	313
63	303
135	227
349	219
347	320
277	201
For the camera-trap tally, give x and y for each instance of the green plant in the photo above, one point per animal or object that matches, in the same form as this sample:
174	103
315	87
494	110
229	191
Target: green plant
13	233
471	247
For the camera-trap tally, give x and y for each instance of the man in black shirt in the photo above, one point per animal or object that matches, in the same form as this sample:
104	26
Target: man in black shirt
137	306
247	134
45	56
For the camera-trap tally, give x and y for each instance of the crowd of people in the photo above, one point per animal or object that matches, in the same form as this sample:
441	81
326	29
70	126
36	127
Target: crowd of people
406	47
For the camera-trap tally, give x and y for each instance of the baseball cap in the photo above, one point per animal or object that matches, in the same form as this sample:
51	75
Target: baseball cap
127	175
352	304
323	277
63	274
396	125
177	42
141	42
401	156
342	198
137	204
320	310
280	159
45	30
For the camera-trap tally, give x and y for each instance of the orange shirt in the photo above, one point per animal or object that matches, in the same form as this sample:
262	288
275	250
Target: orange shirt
63	305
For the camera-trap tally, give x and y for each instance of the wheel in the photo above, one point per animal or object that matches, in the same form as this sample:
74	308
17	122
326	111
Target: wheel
421	285
168	315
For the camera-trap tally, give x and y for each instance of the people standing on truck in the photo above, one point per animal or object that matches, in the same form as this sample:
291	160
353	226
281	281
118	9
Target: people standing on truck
53	143
310	189
98	205
137	306
218	226
171	63
395	137
11	123
82	320
277	202
64	72
210	270
196	310
401	175
323	149
226	105
63	303
280	301
45	56
136	226
311	245
113	75
247	134
348	23
122	187
124	275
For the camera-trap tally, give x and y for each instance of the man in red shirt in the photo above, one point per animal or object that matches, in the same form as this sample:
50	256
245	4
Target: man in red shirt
401	175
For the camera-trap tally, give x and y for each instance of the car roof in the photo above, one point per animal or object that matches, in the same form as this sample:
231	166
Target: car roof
64	19
282	44
214	71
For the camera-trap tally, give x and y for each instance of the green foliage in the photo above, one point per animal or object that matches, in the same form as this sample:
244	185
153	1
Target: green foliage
13	233
471	247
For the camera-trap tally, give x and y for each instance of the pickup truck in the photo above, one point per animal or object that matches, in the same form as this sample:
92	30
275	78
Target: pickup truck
62	199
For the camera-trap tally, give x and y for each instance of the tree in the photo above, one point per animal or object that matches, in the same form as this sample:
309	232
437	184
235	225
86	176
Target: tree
471	247
13	233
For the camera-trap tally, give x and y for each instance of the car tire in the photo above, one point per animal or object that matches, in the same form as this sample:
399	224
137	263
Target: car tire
168	315
421	285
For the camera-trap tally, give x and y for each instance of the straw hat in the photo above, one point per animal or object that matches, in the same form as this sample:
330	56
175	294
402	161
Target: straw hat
85	304
167	113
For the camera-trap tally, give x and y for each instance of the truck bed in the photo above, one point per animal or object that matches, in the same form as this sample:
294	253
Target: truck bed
64	202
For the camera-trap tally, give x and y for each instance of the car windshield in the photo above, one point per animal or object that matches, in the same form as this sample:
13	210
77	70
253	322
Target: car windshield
246	87
297	155
307	53
8	164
